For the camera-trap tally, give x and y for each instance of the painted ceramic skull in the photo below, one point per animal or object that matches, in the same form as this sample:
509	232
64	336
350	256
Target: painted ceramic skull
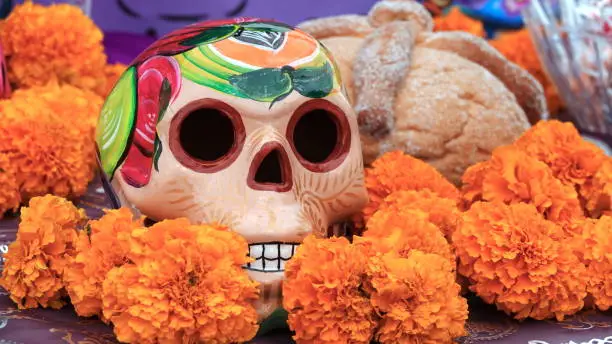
240	122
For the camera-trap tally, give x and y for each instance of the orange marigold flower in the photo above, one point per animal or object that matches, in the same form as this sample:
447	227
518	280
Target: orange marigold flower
102	246
185	284
404	230
572	159
456	20
442	212
518	47
10	198
111	75
417	297
397	171
45	243
48	134
594	247
597	192
51	43
517	260
322	293
512	176
102	80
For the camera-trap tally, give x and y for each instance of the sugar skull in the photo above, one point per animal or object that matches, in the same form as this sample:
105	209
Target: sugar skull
239	122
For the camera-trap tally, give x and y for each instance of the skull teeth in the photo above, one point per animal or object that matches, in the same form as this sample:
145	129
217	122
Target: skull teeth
270	257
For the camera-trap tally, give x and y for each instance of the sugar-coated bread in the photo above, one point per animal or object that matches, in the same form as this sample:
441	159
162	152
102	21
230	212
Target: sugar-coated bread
452	113
446	98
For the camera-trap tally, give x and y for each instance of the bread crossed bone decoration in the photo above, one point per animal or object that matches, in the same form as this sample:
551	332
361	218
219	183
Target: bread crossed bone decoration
448	98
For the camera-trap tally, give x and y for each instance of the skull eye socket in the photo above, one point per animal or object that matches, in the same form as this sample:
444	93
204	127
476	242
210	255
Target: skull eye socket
206	135
319	135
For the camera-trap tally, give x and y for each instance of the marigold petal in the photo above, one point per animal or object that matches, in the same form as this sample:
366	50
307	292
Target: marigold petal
183	283
321	293
512	176
397	171
417	297
48	136
44	246
515	258
68	46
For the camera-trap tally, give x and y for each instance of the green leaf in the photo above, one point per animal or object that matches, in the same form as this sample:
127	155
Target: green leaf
279	98
264	85
116	122
211	35
274	27
157	153
313	82
164	98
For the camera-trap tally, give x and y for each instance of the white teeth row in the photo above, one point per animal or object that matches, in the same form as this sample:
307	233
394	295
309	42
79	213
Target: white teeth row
270	257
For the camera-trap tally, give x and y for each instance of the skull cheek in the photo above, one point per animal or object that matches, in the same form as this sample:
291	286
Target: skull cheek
197	173
329	183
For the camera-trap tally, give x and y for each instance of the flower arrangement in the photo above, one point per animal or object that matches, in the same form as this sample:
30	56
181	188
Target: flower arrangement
341	292
45	242
525	207
56	64
171	281
48	137
381	286
527	231
54	43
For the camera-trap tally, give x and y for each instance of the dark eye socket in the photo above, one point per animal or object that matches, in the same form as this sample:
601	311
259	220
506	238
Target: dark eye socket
206	135
320	136
316	135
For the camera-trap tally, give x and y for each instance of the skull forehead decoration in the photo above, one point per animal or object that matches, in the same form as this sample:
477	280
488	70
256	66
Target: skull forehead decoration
242	123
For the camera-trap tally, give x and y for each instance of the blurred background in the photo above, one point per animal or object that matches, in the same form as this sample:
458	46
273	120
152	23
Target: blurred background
158	17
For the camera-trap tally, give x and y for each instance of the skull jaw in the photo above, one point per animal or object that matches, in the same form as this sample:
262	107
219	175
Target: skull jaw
273	235
270	292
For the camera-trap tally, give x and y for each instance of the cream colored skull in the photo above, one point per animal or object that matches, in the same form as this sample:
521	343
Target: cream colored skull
273	170
266	183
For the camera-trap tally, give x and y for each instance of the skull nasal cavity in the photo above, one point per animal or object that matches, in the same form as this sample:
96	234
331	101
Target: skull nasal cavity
270	170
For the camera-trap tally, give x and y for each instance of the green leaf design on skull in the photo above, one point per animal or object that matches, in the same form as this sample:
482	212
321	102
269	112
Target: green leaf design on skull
260	26
211	35
157	150
275	84
165	93
313	82
113	133
264	85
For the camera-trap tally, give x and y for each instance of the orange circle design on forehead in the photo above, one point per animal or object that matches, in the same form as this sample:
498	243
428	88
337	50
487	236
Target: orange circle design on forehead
282	49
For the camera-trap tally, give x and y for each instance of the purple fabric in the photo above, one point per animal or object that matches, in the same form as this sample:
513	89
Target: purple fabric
486	325
123	47
161	17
